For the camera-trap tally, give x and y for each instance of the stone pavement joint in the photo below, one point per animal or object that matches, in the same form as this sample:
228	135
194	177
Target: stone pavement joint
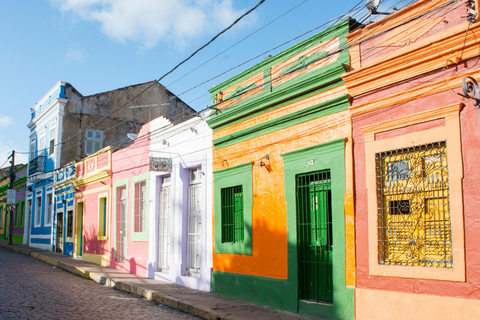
205	305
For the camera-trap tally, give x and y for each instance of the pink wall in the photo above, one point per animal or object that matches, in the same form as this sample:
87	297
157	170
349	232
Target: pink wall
470	138
128	163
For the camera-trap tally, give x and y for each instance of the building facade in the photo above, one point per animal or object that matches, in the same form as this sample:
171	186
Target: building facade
64	223
180	219
416	143
93	182
19	213
283	182
66	126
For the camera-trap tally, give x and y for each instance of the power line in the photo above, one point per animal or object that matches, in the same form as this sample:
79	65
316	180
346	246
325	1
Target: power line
236	43
169	72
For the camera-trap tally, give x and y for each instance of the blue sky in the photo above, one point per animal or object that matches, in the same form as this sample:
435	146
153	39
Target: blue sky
101	45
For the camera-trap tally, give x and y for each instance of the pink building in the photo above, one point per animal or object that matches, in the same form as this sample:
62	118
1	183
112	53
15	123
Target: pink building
93	207
130	190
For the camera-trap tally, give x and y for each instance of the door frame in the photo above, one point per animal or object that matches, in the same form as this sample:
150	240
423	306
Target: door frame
329	155
79	228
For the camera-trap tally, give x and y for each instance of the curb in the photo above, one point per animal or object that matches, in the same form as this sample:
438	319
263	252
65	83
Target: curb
158	297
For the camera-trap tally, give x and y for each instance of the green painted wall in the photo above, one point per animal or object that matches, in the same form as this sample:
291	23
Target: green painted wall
283	294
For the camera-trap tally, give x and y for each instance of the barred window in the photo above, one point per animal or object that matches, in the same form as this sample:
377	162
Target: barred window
413	207
232	214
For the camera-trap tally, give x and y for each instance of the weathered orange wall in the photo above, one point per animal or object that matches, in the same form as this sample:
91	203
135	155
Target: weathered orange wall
269	221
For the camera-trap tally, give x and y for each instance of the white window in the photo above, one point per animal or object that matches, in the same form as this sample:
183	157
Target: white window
51	147
164	226
38	210
194	224
49	209
93	141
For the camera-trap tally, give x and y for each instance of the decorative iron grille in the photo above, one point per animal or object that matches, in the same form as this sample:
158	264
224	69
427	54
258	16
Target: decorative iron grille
315	236
194	231
232	214
413	207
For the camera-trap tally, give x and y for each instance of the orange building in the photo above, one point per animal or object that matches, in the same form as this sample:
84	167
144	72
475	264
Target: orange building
282	161
416	143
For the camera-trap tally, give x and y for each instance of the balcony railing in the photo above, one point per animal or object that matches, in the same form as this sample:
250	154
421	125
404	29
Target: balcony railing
36	165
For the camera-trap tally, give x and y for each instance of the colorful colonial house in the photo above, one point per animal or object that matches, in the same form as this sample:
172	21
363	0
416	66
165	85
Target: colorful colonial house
45	129
180	203
93	183
66	126
64	223
417	145
129	231
19	213
283	182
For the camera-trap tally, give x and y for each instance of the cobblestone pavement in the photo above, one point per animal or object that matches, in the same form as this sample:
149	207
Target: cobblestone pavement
31	289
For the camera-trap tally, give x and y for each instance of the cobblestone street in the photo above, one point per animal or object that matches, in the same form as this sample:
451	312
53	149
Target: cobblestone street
31	289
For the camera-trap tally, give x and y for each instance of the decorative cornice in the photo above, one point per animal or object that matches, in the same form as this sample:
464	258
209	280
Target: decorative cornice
91	178
413	94
327	107
429	54
318	79
438	113
337	30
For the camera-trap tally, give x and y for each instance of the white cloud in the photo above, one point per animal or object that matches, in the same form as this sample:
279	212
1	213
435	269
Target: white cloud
6	121
152	21
76	54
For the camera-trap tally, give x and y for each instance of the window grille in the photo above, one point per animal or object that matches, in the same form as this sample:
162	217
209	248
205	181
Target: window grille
315	237
413	206
232	214
194	230
140	206
164	226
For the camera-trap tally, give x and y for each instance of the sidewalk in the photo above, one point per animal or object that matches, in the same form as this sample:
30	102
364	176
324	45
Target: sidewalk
202	304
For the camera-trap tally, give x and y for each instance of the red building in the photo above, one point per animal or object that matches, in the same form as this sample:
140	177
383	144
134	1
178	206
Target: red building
416	150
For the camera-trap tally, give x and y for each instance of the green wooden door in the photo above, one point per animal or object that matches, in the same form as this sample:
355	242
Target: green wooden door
314	229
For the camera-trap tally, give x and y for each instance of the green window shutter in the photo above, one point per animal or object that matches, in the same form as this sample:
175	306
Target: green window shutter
238	217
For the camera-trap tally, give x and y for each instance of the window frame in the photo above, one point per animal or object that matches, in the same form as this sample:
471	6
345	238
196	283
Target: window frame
53	126
67	238
449	132
93	139
49	192
103	218
229	177
142	235
37	221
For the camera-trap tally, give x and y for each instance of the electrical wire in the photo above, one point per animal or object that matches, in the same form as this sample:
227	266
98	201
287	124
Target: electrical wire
238	42
169	72
338	18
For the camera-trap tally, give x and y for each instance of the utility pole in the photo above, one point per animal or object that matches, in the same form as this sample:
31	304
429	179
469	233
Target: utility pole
12	212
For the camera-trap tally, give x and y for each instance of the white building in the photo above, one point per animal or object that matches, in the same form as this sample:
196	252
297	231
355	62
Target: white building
180	249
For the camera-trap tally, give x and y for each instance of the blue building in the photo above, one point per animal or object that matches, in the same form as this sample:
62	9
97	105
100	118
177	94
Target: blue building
63	237
45	126
66	126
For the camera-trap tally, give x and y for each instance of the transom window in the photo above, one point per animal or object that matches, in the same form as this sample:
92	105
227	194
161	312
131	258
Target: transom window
232	214
413	206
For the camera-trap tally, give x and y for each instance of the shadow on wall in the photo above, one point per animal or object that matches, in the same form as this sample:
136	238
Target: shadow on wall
91	243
